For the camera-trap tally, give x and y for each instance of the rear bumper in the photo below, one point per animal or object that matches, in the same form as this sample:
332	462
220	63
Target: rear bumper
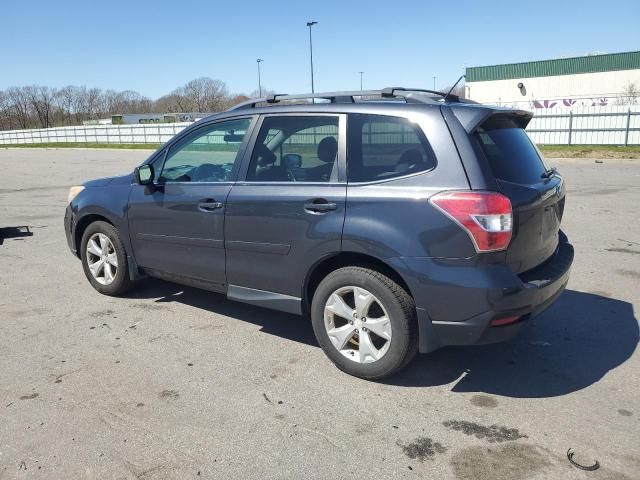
457	303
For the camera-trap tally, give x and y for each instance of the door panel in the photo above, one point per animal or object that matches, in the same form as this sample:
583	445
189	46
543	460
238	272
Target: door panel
177	224
280	223
170	233
272	240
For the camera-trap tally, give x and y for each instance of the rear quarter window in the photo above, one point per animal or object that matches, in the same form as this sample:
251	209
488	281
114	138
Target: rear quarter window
381	147
511	154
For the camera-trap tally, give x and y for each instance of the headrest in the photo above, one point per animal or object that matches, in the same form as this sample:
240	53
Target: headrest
328	149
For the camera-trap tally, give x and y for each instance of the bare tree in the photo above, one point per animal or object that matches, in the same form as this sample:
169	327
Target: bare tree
42	103
168	103
94	105
236	99
127	101
265	93
42	106
202	95
19	106
5	115
80	104
66	103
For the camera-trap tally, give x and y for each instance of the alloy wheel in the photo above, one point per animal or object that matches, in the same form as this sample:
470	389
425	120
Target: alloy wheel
357	324
102	259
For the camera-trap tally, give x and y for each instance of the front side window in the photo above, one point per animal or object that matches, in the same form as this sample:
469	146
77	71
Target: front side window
381	147
296	149
207	155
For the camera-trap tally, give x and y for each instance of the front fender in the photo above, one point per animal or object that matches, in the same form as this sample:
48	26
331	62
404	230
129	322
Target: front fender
109	202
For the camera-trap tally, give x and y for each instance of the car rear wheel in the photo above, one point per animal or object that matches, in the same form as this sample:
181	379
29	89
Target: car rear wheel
365	322
104	259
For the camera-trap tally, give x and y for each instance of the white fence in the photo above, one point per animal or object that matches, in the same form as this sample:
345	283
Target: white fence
144	133
615	125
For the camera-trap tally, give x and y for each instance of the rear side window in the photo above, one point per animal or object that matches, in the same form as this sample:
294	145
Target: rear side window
512	156
296	149
382	147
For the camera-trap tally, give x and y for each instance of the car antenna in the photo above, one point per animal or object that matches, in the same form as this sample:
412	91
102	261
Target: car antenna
446	97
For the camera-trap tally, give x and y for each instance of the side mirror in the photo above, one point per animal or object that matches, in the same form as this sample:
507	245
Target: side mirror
143	174
292	160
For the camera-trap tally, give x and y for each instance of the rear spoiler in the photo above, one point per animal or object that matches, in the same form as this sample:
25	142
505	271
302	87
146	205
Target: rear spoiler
472	116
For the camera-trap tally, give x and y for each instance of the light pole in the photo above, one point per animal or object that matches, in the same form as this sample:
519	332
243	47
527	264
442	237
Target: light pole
434	83
361	73
311	24
258	60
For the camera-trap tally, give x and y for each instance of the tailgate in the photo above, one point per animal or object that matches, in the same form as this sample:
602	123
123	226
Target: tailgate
537	213
537	194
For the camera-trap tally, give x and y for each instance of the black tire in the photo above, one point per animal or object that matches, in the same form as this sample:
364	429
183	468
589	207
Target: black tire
399	306
121	282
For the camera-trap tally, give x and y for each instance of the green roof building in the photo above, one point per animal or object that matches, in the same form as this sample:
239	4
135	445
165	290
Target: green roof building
592	80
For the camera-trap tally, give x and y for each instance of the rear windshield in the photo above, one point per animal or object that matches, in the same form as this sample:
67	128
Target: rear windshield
511	154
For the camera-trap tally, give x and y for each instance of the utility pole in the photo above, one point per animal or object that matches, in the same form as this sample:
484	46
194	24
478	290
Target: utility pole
361	73
311	24
258	60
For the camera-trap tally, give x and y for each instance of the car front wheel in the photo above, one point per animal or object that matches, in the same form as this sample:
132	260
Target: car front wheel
365	322
104	259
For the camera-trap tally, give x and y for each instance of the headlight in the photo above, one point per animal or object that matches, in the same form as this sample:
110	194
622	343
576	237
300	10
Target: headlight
73	192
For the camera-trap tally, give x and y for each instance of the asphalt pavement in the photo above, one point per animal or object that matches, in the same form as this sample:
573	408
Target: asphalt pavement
175	382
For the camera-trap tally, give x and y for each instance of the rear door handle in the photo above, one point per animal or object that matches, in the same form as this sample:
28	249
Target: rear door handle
319	206
209	205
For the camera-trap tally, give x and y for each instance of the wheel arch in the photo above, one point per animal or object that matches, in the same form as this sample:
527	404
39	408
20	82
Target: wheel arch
328	264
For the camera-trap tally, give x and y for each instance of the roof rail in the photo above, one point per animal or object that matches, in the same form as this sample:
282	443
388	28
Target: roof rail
348	96
393	92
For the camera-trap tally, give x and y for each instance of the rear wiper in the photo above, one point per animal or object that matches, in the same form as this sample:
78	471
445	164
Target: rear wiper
549	173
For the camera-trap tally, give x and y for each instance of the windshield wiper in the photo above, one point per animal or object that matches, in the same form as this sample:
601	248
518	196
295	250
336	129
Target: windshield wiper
549	173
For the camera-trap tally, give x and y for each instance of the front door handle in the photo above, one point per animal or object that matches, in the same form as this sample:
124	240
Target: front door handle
319	205
209	205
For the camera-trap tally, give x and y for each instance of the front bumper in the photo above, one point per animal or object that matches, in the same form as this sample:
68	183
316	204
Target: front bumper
457	303
70	229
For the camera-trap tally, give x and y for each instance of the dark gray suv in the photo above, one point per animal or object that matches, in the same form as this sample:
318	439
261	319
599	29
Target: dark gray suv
398	220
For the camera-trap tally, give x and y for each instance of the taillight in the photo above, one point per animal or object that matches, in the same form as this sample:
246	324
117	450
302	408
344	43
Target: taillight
485	216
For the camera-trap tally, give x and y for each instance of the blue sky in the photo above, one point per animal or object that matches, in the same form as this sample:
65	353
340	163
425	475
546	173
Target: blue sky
156	46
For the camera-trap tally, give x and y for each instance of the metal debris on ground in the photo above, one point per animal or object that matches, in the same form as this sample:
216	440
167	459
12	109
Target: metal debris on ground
589	468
